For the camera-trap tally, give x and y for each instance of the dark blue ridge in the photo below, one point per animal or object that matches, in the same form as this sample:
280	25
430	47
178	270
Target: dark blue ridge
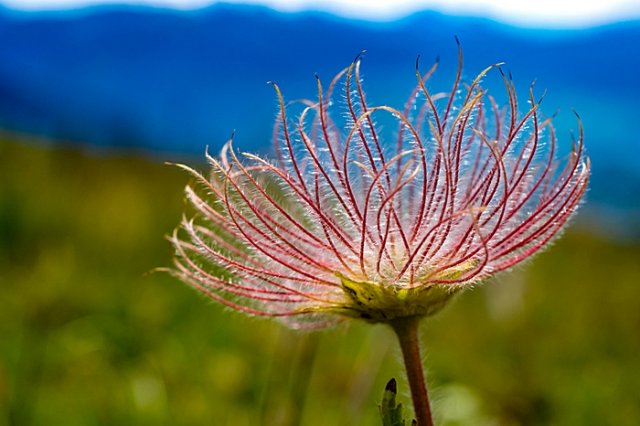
176	81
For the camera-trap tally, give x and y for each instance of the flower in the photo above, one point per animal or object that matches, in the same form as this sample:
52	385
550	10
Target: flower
348	221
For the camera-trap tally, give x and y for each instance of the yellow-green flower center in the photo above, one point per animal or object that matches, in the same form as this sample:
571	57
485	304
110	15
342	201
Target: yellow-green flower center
375	302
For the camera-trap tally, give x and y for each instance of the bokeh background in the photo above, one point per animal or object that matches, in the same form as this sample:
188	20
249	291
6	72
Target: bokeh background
93	100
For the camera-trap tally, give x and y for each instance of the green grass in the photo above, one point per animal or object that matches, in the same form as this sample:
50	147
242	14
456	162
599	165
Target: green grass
89	337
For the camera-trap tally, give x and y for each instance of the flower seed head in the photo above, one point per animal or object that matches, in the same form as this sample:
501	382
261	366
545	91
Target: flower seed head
349	222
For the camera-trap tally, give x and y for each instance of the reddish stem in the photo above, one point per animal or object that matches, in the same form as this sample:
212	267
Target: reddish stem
407	331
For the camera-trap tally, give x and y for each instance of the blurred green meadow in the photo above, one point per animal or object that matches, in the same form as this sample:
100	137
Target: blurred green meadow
88	336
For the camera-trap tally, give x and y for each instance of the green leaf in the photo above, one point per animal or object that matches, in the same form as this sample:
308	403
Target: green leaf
391	412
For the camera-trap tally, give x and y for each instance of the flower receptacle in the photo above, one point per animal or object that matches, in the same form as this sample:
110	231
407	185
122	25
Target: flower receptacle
375	302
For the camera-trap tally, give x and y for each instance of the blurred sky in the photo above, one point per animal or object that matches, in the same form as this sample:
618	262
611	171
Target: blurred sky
539	13
181	75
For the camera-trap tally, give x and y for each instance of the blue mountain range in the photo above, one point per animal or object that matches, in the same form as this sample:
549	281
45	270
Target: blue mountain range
169	81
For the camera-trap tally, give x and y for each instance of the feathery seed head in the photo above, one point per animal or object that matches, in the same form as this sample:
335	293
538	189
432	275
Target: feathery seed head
345	223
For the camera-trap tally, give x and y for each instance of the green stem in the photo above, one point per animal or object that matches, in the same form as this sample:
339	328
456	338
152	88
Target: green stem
407	331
